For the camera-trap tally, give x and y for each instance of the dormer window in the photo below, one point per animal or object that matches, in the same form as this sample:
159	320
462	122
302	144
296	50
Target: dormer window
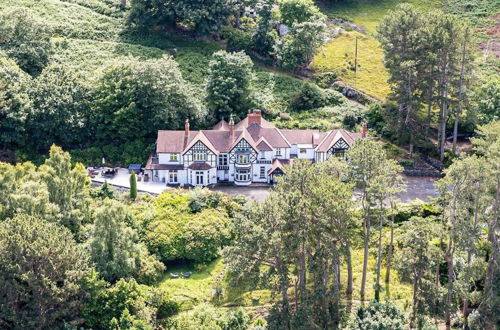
174	157
278	151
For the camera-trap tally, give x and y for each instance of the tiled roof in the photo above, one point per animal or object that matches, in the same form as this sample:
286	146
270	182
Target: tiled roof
332	137
173	141
278	164
272	135
200	137
263	145
262	137
303	136
151	166
199	166
221	139
221	125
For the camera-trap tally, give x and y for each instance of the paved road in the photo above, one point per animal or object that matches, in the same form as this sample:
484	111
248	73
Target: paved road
416	188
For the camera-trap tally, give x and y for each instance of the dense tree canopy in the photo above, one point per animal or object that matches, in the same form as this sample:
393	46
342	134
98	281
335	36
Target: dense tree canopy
25	38
41	271
298	11
228	86
134	99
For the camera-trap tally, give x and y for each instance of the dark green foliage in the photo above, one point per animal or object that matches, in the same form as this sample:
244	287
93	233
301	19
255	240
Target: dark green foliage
297	49
205	316
41	269
326	79
25	38
133	186
237	40
134	152
377	316
309	97
265	38
228	86
135	99
14	105
105	303
176	233
201	16
103	192
59	109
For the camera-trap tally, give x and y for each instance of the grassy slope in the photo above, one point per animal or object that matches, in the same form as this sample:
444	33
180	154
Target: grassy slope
338	54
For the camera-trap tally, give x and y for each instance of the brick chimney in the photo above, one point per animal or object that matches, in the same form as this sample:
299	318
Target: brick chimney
231	129
364	129
186	127
254	117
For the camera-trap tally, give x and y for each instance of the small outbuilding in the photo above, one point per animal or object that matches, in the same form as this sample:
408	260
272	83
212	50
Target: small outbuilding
134	167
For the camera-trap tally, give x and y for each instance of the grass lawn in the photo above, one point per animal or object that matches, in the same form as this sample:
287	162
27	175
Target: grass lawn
338	56
368	13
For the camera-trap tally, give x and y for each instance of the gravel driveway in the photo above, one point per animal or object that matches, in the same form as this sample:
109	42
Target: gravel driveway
417	188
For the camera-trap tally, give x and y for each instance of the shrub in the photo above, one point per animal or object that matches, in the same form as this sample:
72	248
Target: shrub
326	79
237	40
378	316
309	97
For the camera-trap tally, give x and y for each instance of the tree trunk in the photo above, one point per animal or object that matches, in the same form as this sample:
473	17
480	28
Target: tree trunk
379	257
365	255
429	108
348	290
285	305
302	274
416	280
449	261
391	248
460	93
443	125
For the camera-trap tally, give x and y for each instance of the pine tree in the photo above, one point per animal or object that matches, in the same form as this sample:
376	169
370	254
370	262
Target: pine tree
133	186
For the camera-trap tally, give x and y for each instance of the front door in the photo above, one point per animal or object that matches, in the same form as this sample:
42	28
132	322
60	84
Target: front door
199	178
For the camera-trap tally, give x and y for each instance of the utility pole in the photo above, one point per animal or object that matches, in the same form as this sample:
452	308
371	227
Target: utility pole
356	55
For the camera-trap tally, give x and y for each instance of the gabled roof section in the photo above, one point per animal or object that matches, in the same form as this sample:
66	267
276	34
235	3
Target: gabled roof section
245	124
263	145
221	126
278	164
272	135
200	137
173	141
221	139
244	135
333	136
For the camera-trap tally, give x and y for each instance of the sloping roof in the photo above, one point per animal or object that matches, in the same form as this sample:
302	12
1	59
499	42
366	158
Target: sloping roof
173	141
244	124
332	137
272	135
221	125
200	137
303	136
244	135
199	166
263	145
278	164
221	139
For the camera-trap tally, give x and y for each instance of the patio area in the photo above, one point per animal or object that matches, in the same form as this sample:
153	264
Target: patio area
122	179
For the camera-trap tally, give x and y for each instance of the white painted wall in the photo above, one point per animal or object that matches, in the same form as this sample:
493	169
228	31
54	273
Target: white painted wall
164	158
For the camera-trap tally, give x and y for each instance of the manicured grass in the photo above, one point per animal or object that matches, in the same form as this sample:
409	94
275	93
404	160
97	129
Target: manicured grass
338	56
367	13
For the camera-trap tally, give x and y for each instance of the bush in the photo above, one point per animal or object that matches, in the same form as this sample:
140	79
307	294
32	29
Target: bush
326	79
309	97
378	316
237	40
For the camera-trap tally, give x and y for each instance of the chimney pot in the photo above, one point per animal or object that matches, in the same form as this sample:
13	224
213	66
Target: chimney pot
255	117
231	128
186	127
364	129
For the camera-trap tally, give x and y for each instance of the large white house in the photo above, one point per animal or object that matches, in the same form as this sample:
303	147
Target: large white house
251	151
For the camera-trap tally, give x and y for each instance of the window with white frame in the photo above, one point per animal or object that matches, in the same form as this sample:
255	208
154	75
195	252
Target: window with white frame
303	150
222	159
278	151
243	158
200	156
172	176
174	157
262	172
